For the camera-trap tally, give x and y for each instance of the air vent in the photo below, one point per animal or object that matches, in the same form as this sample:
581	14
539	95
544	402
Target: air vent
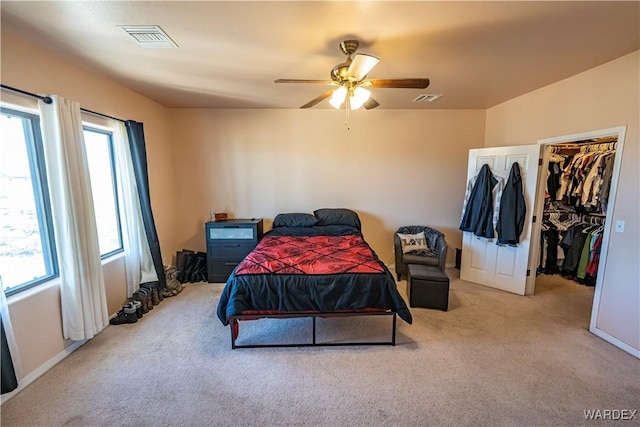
426	97
149	36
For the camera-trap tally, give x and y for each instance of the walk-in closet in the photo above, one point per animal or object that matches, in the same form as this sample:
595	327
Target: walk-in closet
578	182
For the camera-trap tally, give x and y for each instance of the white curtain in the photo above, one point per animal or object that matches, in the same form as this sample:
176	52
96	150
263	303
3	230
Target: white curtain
82	291
139	264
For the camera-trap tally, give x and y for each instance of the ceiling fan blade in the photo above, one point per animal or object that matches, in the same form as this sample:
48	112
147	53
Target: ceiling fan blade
399	83
370	104
324	82
361	65
320	98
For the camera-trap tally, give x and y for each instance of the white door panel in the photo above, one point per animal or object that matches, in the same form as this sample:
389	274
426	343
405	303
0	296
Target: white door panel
484	262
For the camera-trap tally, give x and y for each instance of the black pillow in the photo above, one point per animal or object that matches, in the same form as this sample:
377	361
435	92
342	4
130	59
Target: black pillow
294	220
337	216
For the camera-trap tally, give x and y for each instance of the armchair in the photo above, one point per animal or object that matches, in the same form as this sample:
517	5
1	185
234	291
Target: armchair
437	256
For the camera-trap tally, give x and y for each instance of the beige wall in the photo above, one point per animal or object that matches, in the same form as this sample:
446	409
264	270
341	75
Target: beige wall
394	167
36	319
29	68
604	97
37	326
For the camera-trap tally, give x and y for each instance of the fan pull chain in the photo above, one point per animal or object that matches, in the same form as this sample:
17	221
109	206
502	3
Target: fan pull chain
347	108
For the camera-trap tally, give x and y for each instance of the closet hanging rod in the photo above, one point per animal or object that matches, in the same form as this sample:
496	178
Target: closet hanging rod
574	145
589	142
606	139
605	146
48	100
567	146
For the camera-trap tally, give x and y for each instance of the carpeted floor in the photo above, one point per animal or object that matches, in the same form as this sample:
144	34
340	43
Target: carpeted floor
492	359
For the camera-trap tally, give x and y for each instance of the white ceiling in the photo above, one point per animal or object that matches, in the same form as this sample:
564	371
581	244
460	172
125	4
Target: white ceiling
476	53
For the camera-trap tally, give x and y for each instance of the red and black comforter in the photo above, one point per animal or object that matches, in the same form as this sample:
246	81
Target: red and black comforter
311	269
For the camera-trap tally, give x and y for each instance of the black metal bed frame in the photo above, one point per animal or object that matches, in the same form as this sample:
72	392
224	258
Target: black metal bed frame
313	343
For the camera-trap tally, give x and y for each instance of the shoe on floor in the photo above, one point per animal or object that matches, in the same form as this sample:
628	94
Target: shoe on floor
126	315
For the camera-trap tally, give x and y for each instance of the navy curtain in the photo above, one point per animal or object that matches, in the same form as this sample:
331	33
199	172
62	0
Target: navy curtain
135	132
9	380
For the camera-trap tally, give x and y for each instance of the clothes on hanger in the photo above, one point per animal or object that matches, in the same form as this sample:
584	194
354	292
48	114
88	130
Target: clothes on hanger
480	209
551	239
584	178
553	180
571	247
592	267
579	175
513	209
583	253
553	228
556	164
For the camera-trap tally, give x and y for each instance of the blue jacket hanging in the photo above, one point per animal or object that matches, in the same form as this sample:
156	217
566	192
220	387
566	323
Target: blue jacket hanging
478	213
512	209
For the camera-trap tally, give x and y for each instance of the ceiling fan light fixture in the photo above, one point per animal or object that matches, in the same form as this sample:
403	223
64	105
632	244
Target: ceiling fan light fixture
338	97
359	97
349	79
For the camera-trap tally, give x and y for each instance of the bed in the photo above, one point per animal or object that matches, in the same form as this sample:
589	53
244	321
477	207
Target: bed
315	266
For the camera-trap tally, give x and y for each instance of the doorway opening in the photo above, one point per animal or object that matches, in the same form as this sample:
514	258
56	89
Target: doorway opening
575	195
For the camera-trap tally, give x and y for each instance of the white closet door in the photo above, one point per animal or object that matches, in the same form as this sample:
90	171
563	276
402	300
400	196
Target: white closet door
484	262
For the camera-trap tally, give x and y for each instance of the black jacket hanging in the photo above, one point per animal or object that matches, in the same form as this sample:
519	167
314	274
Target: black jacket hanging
512	209
478	215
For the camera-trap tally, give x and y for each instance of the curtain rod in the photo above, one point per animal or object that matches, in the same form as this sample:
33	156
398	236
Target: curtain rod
48	100
45	99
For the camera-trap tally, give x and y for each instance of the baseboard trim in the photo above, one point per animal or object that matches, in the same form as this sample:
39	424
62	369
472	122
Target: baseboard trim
615	341
24	382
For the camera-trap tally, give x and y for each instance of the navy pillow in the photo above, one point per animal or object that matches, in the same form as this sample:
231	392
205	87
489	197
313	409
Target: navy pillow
337	216
294	220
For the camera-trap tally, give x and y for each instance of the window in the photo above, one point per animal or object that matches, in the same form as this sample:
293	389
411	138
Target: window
27	247
99	147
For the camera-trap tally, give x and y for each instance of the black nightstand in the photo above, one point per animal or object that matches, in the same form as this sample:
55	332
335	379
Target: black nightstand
228	242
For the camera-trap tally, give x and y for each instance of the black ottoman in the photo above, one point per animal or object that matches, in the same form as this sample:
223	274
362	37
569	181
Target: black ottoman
427	287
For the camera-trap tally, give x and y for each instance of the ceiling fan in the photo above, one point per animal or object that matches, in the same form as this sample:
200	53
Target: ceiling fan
350	79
